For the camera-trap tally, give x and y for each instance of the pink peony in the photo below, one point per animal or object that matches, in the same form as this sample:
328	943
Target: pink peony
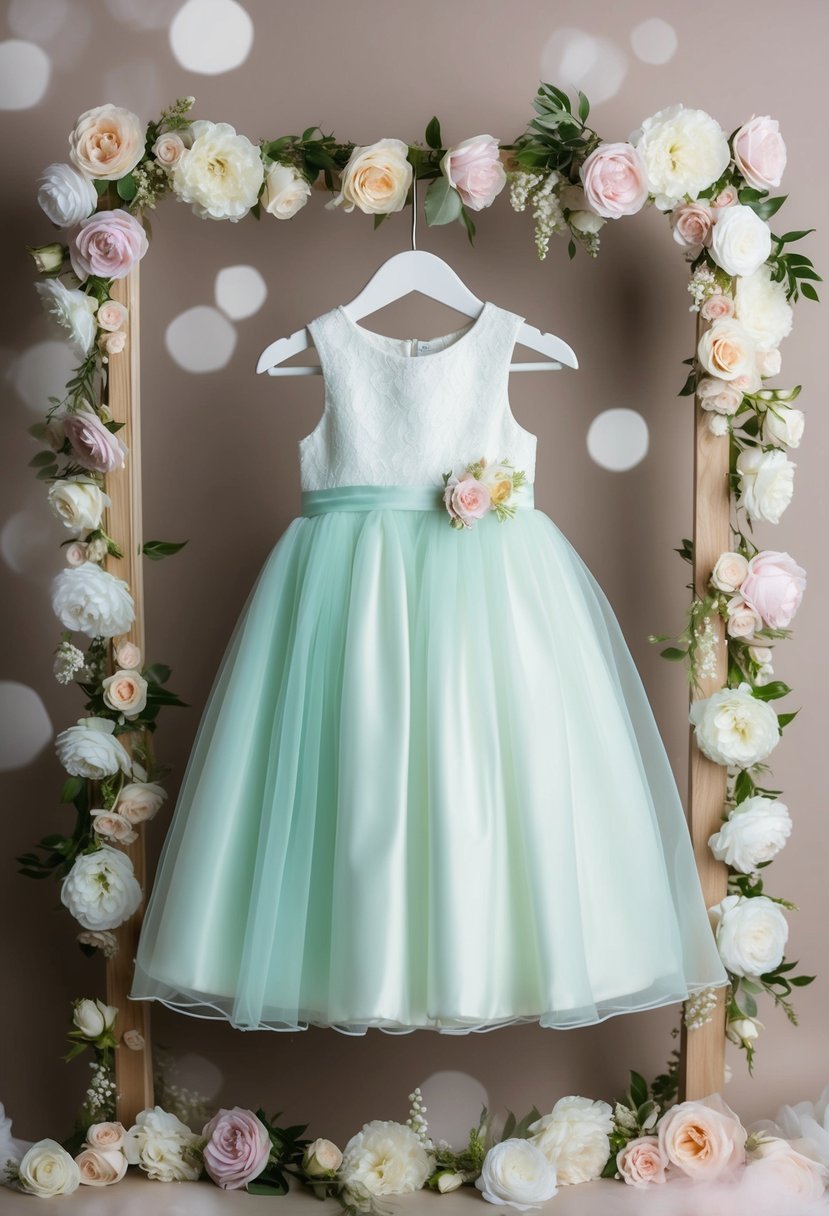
93	446
107	244
614	180
237	1149
474	168
467	500
760	153
774	587
641	1163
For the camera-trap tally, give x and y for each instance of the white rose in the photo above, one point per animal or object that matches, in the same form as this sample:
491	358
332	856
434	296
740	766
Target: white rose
139	800
47	1169
729	571
66	196
92	1018
769	363
91	601
761	305
73	310
581	217
449	1181
734	727
112	826
751	934
726	351
721	396
740	240
574	1138
109	1136
683	151
286	191
761	654
163	1147
783	426
385	1158
89	749
755	832
766	483
718	424
743	1031
516	1174
78	503
742	621
221	174
101	890
779	1168
321	1157
376	178
101	1166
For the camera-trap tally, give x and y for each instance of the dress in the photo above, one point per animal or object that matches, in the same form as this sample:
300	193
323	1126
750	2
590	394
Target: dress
427	789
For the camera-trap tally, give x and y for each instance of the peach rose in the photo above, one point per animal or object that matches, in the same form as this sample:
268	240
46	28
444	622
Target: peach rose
140	800
691	223
108	244
107	142
466	500
126	691
112	315
722	396
774	586
641	1163
716	306
729	572
703	1139
613	177
474	168
376	178
760	153
113	826
726	350
743	620
168	149
105	1135
101	1167
128	655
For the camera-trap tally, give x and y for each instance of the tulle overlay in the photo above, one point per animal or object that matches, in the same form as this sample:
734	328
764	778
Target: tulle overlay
427	791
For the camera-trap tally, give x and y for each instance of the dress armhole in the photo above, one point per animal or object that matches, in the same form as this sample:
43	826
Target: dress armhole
317	332
513	332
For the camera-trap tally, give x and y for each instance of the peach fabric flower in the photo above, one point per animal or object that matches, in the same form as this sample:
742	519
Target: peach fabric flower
107	142
641	1163
703	1139
760	152
94	446
237	1149
108	244
774	587
474	168
467	500
614	180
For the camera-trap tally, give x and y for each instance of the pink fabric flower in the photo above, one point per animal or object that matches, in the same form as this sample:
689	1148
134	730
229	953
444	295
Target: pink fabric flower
641	1163
93	446
467	500
774	587
474	168
760	153
108	244
237	1149
614	180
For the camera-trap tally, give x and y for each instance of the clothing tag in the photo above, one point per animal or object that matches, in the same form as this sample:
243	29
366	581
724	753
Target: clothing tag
422	348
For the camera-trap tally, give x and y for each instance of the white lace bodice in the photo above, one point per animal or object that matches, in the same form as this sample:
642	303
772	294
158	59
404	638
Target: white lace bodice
404	411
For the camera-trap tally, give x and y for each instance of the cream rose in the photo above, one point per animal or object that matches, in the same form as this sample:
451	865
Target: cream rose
783	426
101	890
92	601
73	310
89	749
740	240
769	363
384	1158
734	727
742	621
140	800
93	1018
168	149
766	483
718	424
760	153
65	196
221	174
716	306
376	178
108	1136
100	1166
682	151
726	350
703	1139
125	691
641	1163
729	571
574	1138
474	168
112	826
107	142
128	655
516	1174
751	934
754	833
101	940
719	396
761	306
322	1158
286	191
78	503
133	1040
112	315
47	1169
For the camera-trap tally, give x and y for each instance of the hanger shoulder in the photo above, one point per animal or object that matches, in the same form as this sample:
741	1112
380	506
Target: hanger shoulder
545	344
282	349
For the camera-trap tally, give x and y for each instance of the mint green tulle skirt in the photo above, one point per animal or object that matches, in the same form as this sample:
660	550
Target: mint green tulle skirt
427	790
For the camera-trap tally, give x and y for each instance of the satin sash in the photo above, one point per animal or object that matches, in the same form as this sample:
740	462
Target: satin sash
389	498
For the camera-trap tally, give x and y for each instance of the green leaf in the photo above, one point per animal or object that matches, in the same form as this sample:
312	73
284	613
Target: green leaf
509	1127
674	654
690	385
785	719
433	134
795	236
638	1089
157	549
770	206
101	187
378	219
771	691
442	203
809	292
41	459
571	249
469	225
307	133
266	1186
807	272
748	194
802	981
159	673
46	472
71	788
584	106
127	188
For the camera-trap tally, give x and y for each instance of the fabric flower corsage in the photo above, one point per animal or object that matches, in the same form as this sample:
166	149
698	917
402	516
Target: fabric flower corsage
480	488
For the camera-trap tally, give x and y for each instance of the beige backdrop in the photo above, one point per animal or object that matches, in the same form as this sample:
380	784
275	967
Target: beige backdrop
221	465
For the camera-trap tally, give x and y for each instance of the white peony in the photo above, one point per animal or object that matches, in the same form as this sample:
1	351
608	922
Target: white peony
734	727
727	351
783	426
286	191
755	832
139	800
574	1138
761	305
47	1169
751	934
73	310
740	240
376	178
683	151
88	599
66	196
516	1174
78	503
805	1121
92	1018
766	483
221	174
384	1158
89	749
101	890
163	1147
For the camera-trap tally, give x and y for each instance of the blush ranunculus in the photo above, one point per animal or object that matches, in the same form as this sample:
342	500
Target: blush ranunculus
614	180
774	586
108	244
474	168
237	1149
760	153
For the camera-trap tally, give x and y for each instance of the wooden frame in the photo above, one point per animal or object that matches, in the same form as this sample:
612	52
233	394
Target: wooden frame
702	1052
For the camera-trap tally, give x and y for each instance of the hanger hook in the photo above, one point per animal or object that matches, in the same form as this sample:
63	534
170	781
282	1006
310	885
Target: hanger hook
414	210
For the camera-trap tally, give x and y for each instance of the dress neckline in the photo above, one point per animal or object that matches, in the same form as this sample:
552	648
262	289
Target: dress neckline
466	332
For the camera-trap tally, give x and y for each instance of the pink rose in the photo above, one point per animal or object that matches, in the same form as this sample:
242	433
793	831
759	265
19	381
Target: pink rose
703	1139
108	244
692	223
93	446
237	1149
774	587
716	306
614	180
760	153
641	1163
168	149
474	168
112	315
467	500
727	197
101	1167
76	553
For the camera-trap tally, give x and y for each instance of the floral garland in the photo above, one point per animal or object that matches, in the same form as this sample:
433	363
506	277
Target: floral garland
716	193
644	1139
